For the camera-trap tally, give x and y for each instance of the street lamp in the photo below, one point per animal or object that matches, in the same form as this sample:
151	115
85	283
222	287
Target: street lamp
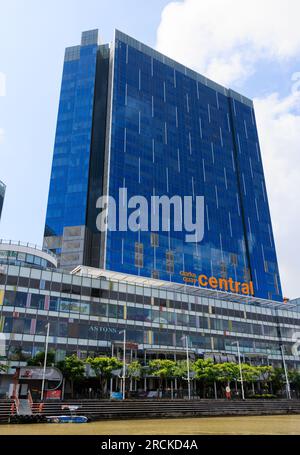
45	360
240	367
188	365
288	389
124	363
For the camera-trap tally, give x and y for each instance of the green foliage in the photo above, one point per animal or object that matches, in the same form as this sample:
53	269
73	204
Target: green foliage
206	370
72	368
264	373
39	358
278	379
103	366
162	368
249	372
180	369
134	370
294	378
264	396
227	372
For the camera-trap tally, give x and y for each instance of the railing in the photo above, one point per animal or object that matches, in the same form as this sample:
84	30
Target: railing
36	407
15	406
28	245
30	400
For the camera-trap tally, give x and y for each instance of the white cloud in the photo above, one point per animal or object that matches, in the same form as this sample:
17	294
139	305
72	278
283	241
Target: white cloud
1	135
278	121
224	38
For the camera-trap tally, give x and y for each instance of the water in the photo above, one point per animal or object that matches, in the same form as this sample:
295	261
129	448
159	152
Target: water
213	425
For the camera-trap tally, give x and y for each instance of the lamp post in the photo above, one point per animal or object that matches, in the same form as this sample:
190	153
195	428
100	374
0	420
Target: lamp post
240	367
45	360
288	389
187	364
124	363
111	379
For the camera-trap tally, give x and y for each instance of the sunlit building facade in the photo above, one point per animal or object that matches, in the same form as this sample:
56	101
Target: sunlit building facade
2	194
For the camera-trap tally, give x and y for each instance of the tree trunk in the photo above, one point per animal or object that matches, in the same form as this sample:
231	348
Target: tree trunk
101	387
215	390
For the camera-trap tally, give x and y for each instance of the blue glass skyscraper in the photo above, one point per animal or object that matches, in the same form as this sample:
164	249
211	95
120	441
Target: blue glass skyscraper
2	194
130	117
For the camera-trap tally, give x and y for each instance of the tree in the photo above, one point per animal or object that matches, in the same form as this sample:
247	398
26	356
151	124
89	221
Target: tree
134	370
39	358
278	379
163	369
206	373
227	372
294	378
103	367
180	369
73	370
264	375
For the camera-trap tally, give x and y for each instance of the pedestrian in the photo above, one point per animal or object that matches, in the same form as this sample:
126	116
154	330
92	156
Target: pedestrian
228	392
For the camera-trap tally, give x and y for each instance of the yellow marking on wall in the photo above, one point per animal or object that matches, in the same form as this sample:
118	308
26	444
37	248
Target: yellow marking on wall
1	296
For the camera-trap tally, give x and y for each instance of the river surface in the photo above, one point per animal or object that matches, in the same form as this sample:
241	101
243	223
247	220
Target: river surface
251	425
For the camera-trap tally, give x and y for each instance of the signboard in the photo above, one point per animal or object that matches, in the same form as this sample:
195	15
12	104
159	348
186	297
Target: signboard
36	373
222	284
53	395
129	345
116	396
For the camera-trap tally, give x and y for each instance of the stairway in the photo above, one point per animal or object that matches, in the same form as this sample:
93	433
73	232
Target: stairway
5	410
139	409
105	409
24	408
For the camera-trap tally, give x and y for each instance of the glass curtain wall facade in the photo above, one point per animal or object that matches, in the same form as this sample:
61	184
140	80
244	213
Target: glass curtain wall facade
170	131
77	167
2	194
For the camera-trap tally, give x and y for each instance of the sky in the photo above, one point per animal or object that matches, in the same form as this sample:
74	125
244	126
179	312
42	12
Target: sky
252	47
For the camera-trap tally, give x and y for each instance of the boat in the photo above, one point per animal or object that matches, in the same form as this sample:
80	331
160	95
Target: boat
72	418
67	419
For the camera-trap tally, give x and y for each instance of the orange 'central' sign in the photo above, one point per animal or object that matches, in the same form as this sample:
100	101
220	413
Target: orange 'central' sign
223	284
